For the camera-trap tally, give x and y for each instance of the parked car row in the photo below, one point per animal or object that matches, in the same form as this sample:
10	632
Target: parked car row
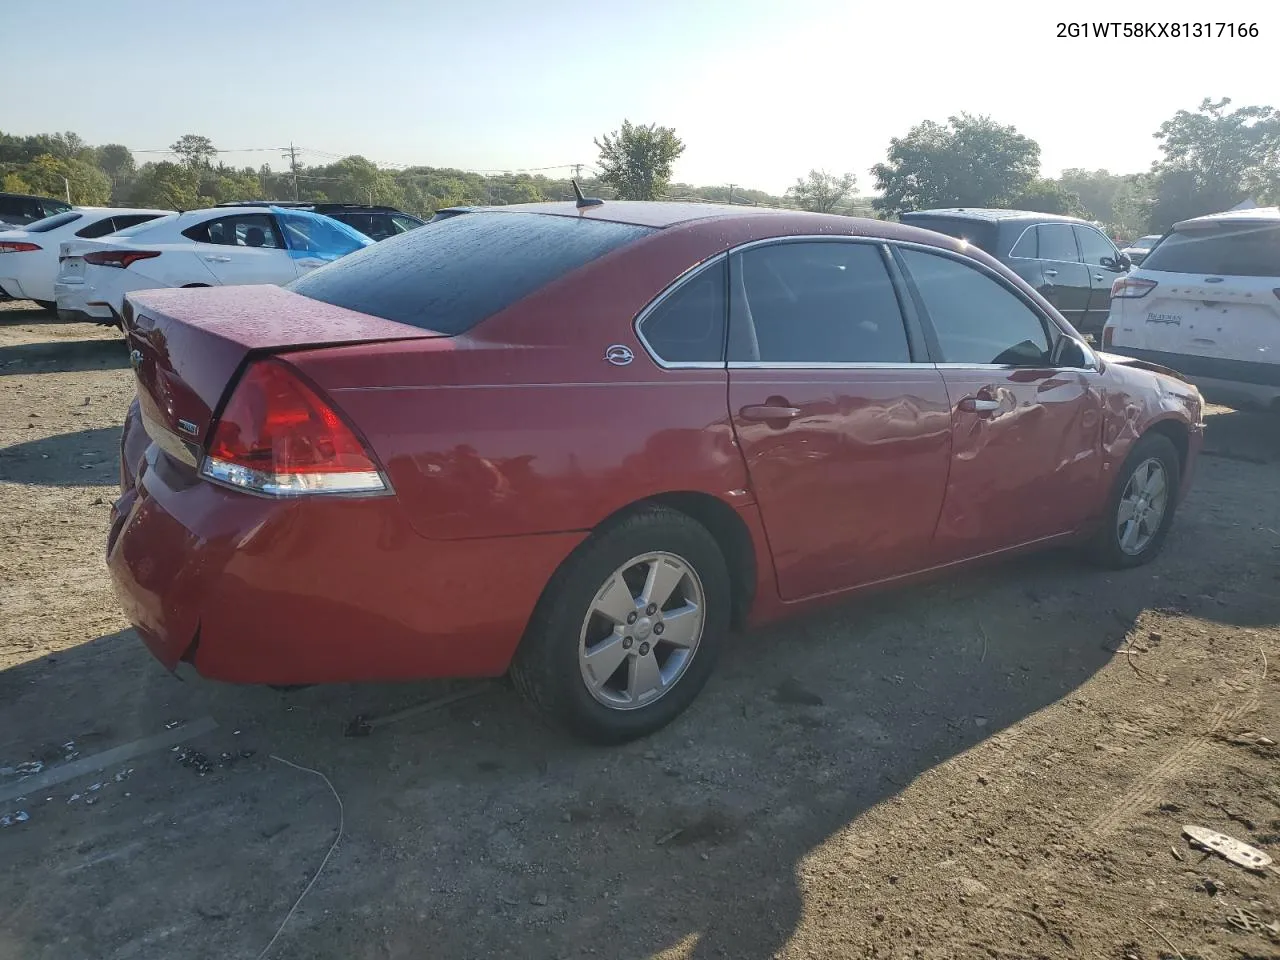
678	419
80	261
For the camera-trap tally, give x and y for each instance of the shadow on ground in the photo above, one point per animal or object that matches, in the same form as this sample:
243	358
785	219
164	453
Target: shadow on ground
65	356
80	459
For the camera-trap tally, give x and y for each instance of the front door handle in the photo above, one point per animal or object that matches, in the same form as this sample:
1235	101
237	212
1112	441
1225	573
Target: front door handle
218	259
1051	273
767	411
1097	276
978	405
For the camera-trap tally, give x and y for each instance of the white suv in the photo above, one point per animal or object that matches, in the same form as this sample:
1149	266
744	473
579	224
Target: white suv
1206	302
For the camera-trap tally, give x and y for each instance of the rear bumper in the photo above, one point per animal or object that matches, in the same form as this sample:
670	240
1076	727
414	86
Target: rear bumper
1234	383
81	301
314	590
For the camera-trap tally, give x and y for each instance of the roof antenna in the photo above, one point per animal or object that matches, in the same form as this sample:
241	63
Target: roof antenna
584	201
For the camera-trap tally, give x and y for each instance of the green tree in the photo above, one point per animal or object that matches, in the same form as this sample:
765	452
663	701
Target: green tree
1213	159
116	161
194	151
636	159
56	176
970	162
820	191
1097	190
168	186
1050	196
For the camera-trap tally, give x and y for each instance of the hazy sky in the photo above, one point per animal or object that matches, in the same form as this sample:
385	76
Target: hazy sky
760	90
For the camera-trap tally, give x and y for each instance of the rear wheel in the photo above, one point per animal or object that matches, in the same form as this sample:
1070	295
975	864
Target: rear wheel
1141	507
629	629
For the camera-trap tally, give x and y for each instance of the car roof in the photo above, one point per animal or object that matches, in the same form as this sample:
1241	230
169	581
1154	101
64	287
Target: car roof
114	210
29	196
640	213
1256	215
991	214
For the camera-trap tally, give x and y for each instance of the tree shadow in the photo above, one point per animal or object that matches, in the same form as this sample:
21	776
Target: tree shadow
86	458
66	356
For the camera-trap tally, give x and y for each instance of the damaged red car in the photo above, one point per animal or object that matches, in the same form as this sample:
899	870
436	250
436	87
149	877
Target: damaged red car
582	443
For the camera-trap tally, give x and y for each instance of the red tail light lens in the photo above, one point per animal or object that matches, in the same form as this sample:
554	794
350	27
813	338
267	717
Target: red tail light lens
118	258
17	246
1131	288
277	436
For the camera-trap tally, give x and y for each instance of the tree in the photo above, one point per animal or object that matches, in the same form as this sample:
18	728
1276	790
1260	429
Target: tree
1213	159
820	191
168	186
636	160
116	161
1097	190
194	151
970	162
54	176
1049	196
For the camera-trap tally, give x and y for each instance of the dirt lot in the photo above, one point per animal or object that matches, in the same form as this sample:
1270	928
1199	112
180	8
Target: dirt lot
996	767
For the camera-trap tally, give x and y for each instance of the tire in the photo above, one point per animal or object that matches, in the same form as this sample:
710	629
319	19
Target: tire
1108	548
548	668
48	306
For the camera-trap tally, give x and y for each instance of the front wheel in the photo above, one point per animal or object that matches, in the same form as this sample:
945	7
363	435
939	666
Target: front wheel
629	629
1141	507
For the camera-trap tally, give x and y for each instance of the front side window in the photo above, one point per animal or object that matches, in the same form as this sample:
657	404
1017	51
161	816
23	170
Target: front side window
1094	247
977	319
688	325
1057	242
818	302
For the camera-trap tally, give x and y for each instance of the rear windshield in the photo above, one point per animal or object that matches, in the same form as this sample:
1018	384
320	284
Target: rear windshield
53	223
464	269
1239	250
144	226
978	232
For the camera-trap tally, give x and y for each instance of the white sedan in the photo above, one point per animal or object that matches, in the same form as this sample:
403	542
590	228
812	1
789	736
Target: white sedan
199	248
29	254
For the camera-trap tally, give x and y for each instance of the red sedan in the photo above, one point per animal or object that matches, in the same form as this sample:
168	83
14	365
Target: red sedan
582	443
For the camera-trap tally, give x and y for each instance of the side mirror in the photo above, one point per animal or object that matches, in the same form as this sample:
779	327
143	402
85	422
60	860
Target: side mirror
1118	264
1070	352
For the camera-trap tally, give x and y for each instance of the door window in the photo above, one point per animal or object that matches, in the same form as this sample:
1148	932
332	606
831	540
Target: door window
1057	242
821	302
403	223
688	326
977	319
1094	247
241	230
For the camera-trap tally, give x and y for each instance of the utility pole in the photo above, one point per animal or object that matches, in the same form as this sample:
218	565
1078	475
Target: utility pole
67	183
577	171
731	193
293	167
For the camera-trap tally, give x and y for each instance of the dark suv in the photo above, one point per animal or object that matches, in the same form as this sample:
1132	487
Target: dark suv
377	223
1069	261
19	209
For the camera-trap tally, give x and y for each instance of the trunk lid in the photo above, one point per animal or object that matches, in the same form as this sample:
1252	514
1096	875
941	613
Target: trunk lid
1210	316
186	346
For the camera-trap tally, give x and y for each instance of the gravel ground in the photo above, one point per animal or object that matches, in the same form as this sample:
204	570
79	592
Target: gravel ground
998	766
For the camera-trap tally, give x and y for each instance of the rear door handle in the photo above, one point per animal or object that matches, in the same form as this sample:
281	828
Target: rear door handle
1051	273
765	411
978	405
218	259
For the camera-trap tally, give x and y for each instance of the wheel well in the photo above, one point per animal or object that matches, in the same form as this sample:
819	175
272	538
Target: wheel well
1177	434
730	533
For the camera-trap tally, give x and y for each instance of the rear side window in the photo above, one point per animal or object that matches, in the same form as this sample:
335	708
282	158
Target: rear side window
1057	242
1243	250
815	303
977	319
99	229
132	219
450	278
980	233
242	230
145	225
688	325
53	223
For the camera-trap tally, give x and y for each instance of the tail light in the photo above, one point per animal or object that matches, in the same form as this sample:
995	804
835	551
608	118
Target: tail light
1108	335
17	246
118	258
1131	288
279	437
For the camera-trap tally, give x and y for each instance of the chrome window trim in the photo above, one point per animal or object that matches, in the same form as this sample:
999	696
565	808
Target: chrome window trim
819	365
1047	223
671	288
